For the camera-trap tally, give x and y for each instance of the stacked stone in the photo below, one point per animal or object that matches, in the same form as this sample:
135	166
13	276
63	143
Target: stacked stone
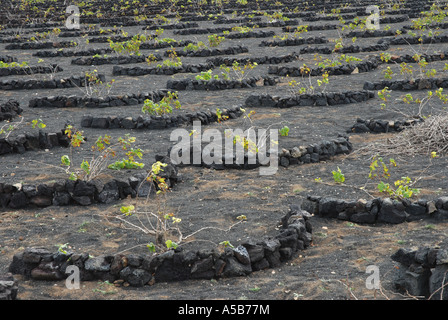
112	22
105	39
72	53
90	33
251	34
89	61
394	19
14	39
434	25
165	44
32	141
14	71
374	47
378	210
217	30
158	122
293	42
39	45
293	71
272	24
332	17
135	270
8	59
422	272
8	287
30	84
317	99
405	85
299	14
410	58
225	20
319	50
163	70
210	52
236	35
372	33
94	102
228	61
10	110
312	153
316	152
418	40
193	84
381	126
191	17
84	193
346	49
186	25
312	28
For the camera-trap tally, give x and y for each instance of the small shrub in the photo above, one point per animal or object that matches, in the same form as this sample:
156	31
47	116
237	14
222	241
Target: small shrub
214	40
94	85
103	150
165	106
284	131
220	116
130	47
338	176
206	76
401	188
191	47
239	71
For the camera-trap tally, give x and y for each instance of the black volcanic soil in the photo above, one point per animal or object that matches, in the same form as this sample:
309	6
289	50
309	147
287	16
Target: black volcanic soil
333	268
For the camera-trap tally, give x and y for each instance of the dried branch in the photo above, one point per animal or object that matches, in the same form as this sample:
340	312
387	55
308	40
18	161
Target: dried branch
424	138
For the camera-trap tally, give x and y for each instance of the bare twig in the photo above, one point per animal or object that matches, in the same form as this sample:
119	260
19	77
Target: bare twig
441	288
424	138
